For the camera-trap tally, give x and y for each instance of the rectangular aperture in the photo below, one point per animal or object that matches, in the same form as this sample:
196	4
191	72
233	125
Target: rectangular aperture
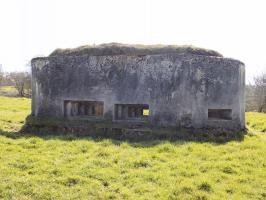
83	108
131	111
220	114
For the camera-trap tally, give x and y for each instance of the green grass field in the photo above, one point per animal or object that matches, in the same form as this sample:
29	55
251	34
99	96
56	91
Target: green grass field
8	88
62	167
8	91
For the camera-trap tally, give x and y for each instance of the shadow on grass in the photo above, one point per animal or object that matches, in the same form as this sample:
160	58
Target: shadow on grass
50	129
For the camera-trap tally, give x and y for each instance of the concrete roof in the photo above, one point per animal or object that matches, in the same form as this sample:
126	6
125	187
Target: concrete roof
130	49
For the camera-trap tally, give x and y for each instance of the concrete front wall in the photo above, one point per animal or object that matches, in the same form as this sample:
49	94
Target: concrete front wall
178	88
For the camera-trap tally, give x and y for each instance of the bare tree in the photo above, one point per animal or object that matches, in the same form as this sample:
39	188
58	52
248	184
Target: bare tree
1	75
22	83
251	101
260	92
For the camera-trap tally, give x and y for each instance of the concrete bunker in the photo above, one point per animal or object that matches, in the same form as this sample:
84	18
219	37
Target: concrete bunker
169	86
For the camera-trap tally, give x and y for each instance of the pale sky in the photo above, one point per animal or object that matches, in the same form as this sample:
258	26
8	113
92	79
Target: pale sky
235	28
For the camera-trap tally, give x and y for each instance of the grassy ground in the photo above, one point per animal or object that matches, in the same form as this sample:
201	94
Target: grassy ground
8	88
62	167
256	121
8	91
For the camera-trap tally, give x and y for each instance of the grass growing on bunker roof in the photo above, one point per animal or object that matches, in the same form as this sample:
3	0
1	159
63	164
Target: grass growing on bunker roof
68	167
133	49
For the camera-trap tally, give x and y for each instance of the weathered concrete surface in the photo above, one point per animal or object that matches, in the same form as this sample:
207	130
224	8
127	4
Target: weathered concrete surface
178	87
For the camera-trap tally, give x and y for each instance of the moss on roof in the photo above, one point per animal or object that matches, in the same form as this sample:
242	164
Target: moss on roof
130	49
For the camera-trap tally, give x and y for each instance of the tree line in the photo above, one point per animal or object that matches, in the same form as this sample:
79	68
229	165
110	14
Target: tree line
20	80
256	94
